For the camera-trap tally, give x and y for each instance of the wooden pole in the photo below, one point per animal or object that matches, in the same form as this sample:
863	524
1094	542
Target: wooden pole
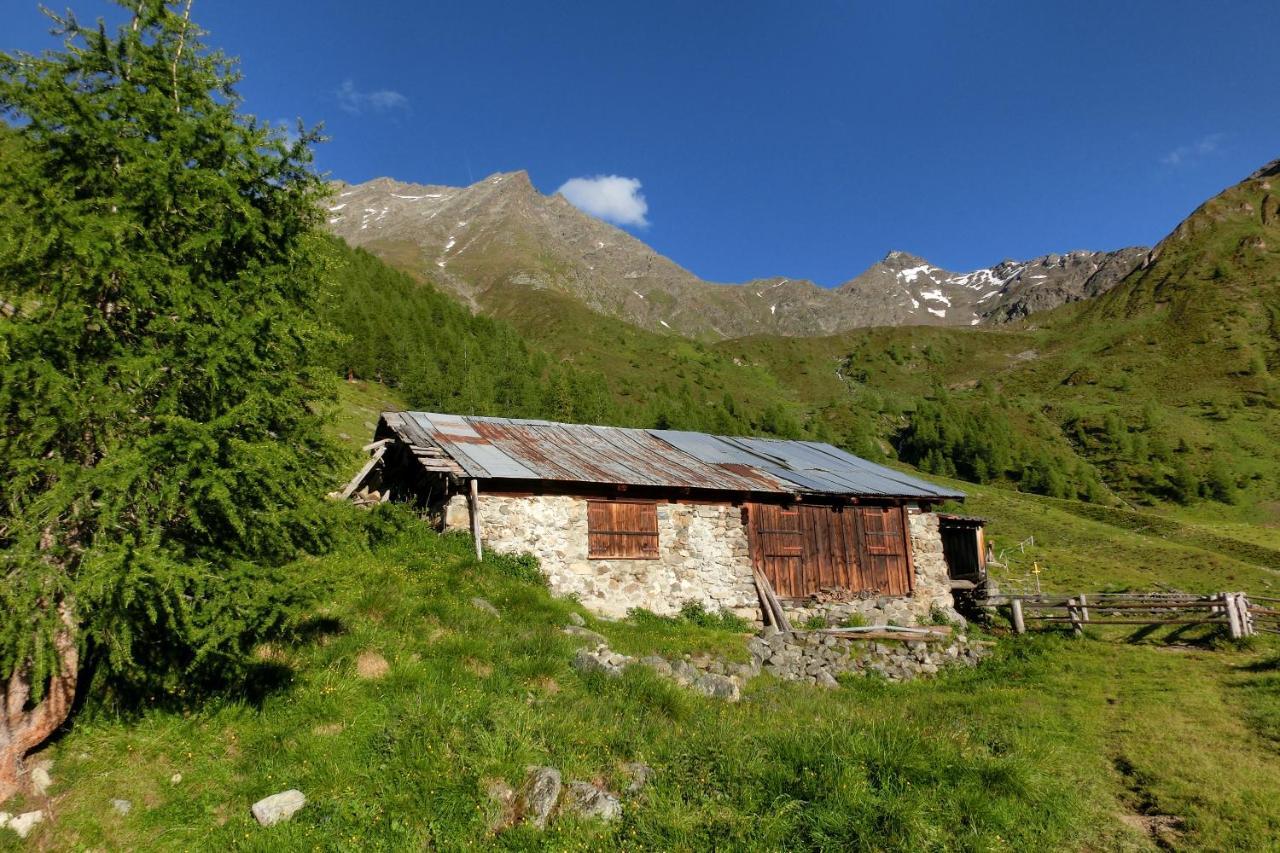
1019	625
1084	608
1074	612
475	517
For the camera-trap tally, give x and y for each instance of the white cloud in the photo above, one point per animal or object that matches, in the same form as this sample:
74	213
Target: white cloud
1185	153
354	101
612	198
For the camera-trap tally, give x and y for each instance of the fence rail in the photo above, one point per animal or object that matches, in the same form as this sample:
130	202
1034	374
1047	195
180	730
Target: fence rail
1232	610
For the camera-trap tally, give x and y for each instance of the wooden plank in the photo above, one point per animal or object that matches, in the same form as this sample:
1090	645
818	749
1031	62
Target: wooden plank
777	614
1102	622
364	472
909	557
1019	625
475	516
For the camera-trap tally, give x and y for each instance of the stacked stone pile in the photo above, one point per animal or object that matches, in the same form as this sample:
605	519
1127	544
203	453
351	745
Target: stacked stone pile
707	675
808	656
818	658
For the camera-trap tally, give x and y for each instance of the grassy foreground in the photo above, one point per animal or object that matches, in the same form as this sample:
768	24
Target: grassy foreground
1048	746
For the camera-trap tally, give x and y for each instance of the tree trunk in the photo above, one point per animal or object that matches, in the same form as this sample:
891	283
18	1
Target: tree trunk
22	729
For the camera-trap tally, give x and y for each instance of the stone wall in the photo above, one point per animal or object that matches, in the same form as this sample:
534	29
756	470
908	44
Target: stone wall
702	555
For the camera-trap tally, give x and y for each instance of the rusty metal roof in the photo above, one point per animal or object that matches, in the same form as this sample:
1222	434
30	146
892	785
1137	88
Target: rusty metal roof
503	448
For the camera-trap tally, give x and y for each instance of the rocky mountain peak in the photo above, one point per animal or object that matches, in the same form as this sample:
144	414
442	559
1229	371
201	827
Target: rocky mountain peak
493	242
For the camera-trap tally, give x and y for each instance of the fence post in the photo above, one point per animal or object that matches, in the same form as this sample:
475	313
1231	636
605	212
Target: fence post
1074	612
1084	608
1233	615
1019	626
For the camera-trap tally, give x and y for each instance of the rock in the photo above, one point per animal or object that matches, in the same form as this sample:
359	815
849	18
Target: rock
41	781
638	773
175	779
505	796
585	634
121	807
482	604
717	686
684	672
371	665
278	807
590	801
657	664
585	662
539	795
23	823
826	679
576	619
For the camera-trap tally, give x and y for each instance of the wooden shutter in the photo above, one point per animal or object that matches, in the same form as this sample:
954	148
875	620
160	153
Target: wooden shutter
777	547
886	563
622	530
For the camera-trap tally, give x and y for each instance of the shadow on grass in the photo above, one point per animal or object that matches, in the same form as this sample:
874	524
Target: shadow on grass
1271	664
317	628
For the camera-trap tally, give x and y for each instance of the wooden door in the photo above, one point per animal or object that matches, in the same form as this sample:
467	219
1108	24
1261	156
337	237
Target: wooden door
777	547
830	548
886	557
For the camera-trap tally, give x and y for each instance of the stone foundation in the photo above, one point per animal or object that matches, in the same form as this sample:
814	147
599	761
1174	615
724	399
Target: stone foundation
703	557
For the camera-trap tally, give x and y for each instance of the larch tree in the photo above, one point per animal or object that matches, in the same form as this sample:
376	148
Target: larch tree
161	444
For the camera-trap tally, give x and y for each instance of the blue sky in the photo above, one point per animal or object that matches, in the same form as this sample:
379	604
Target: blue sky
769	138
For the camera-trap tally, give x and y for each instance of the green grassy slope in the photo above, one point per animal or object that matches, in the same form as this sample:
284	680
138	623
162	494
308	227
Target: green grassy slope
1051	745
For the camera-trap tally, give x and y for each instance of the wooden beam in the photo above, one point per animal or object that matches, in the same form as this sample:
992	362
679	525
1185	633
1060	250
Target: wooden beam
475	516
364	472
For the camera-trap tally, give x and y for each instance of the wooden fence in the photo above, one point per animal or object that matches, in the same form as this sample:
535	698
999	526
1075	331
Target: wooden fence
1238	613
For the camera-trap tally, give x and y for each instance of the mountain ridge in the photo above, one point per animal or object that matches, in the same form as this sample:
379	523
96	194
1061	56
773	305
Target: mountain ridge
501	233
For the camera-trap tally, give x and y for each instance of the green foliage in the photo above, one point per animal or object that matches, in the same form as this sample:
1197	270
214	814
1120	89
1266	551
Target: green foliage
161	449
695	614
978	442
691	613
440	356
522	567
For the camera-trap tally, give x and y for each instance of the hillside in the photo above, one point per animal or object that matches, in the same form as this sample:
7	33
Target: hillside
500	240
397	706
1121	398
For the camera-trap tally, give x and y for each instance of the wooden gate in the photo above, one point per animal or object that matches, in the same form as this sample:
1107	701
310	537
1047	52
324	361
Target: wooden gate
802	549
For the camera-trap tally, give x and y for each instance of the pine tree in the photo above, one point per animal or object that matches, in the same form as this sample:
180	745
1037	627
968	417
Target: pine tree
160	430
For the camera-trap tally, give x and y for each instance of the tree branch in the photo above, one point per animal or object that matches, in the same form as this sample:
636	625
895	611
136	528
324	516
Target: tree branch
177	56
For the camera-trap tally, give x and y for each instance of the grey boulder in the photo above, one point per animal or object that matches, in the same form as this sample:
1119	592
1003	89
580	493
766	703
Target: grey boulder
592	802
539	794
278	807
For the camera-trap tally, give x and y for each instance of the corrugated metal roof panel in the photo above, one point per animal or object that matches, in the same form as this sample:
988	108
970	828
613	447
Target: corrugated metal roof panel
542	450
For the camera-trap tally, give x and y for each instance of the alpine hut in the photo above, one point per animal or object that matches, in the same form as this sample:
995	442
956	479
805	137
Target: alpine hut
654	518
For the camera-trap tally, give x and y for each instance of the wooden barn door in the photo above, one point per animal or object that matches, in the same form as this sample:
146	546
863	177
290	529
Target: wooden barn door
830	548
777	547
886	564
